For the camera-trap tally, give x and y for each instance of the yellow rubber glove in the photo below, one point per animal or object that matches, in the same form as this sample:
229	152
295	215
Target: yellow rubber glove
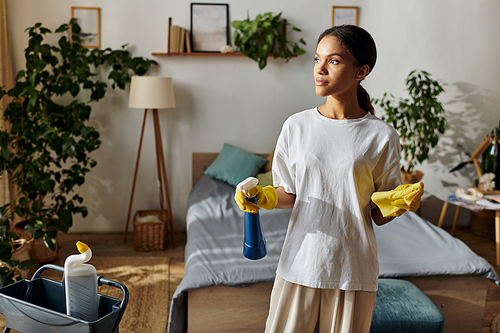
267	198
405	197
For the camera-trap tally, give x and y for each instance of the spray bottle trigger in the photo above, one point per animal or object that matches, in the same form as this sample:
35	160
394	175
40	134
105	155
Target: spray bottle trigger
247	184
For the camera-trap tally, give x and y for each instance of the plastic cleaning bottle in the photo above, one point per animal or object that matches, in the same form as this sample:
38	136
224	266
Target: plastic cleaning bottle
254	246
80	283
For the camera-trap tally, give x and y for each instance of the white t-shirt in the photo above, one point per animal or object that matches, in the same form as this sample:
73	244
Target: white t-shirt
333	167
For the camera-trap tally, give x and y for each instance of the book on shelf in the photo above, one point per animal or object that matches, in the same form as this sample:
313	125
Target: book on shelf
188	42
179	40
182	40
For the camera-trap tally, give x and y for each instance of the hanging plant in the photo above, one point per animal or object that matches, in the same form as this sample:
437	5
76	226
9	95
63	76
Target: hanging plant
266	35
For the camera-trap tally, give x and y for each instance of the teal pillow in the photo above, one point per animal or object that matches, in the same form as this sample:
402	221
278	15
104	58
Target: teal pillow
234	165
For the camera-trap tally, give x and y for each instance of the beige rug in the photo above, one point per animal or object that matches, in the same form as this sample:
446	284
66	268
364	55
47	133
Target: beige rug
495	324
147	280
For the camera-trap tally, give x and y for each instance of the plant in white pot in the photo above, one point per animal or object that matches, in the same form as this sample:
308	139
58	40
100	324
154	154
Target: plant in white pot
419	120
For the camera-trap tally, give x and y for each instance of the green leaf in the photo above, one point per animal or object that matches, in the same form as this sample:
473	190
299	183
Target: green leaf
49	242
12	263
27	264
236	24
5	153
262	63
6	278
5	251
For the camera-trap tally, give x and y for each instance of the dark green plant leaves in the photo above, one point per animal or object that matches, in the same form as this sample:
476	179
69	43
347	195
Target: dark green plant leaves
6	276
47	148
27	264
5	251
419	119
266	34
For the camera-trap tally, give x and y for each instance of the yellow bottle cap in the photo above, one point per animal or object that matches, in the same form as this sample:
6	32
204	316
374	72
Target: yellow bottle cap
82	247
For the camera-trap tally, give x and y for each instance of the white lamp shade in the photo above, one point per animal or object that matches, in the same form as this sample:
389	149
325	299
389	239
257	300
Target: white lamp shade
148	92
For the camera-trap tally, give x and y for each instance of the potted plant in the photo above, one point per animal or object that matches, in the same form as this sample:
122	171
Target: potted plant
419	120
15	259
265	35
46	150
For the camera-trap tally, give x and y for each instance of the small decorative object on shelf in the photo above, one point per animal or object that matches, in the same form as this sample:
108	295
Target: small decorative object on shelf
227	49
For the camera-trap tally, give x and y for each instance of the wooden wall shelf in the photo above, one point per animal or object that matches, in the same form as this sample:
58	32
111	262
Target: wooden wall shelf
197	54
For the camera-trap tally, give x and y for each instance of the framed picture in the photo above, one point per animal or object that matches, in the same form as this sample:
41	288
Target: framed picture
344	15
89	20
209	27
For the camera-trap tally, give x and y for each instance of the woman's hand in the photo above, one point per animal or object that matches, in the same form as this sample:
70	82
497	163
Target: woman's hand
285	200
379	219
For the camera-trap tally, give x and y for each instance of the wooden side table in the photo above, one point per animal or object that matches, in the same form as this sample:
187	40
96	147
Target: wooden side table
455	220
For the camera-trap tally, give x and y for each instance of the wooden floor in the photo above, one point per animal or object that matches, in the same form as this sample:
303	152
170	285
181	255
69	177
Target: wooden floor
486	248
111	244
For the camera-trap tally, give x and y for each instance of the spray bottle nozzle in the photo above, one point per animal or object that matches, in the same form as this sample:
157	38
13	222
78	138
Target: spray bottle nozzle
247	184
82	247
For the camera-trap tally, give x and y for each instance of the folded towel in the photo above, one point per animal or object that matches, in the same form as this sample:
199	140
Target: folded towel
405	197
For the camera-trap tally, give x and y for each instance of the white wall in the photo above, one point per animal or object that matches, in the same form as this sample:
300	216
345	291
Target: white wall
229	100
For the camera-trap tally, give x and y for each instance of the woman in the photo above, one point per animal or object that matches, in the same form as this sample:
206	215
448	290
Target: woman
328	162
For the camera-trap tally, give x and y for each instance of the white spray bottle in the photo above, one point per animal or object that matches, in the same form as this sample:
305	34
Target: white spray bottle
80	283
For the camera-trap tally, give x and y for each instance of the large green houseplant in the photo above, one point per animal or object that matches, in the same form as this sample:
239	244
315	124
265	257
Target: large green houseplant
46	149
419	120
265	35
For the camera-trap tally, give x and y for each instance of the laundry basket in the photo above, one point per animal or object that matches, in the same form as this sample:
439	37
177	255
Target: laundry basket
150	230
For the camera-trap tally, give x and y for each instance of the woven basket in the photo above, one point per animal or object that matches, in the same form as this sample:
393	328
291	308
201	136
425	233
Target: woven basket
37	248
150	230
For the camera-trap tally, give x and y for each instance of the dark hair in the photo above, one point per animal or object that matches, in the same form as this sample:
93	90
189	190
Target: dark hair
359	44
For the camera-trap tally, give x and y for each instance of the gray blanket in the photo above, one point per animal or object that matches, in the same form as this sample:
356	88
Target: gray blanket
408	246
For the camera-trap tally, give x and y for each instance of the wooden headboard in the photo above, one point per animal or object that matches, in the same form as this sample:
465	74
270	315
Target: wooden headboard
202	160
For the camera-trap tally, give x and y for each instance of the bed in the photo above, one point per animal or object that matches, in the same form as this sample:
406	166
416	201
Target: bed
222	291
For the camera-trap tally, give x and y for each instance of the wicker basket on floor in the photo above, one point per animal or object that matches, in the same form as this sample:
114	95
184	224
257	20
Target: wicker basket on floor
150	230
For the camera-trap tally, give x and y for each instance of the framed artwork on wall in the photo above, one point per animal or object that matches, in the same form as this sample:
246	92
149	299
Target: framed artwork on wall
344	15
209	27
89	20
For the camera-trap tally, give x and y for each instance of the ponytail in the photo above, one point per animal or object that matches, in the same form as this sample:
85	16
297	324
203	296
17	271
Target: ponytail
364	100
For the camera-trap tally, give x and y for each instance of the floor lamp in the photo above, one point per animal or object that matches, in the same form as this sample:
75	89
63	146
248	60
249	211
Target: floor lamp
153	93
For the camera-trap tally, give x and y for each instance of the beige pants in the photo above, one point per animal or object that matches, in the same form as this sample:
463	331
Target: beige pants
298	309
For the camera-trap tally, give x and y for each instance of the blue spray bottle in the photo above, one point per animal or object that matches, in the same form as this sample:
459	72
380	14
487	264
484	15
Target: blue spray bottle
254	246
